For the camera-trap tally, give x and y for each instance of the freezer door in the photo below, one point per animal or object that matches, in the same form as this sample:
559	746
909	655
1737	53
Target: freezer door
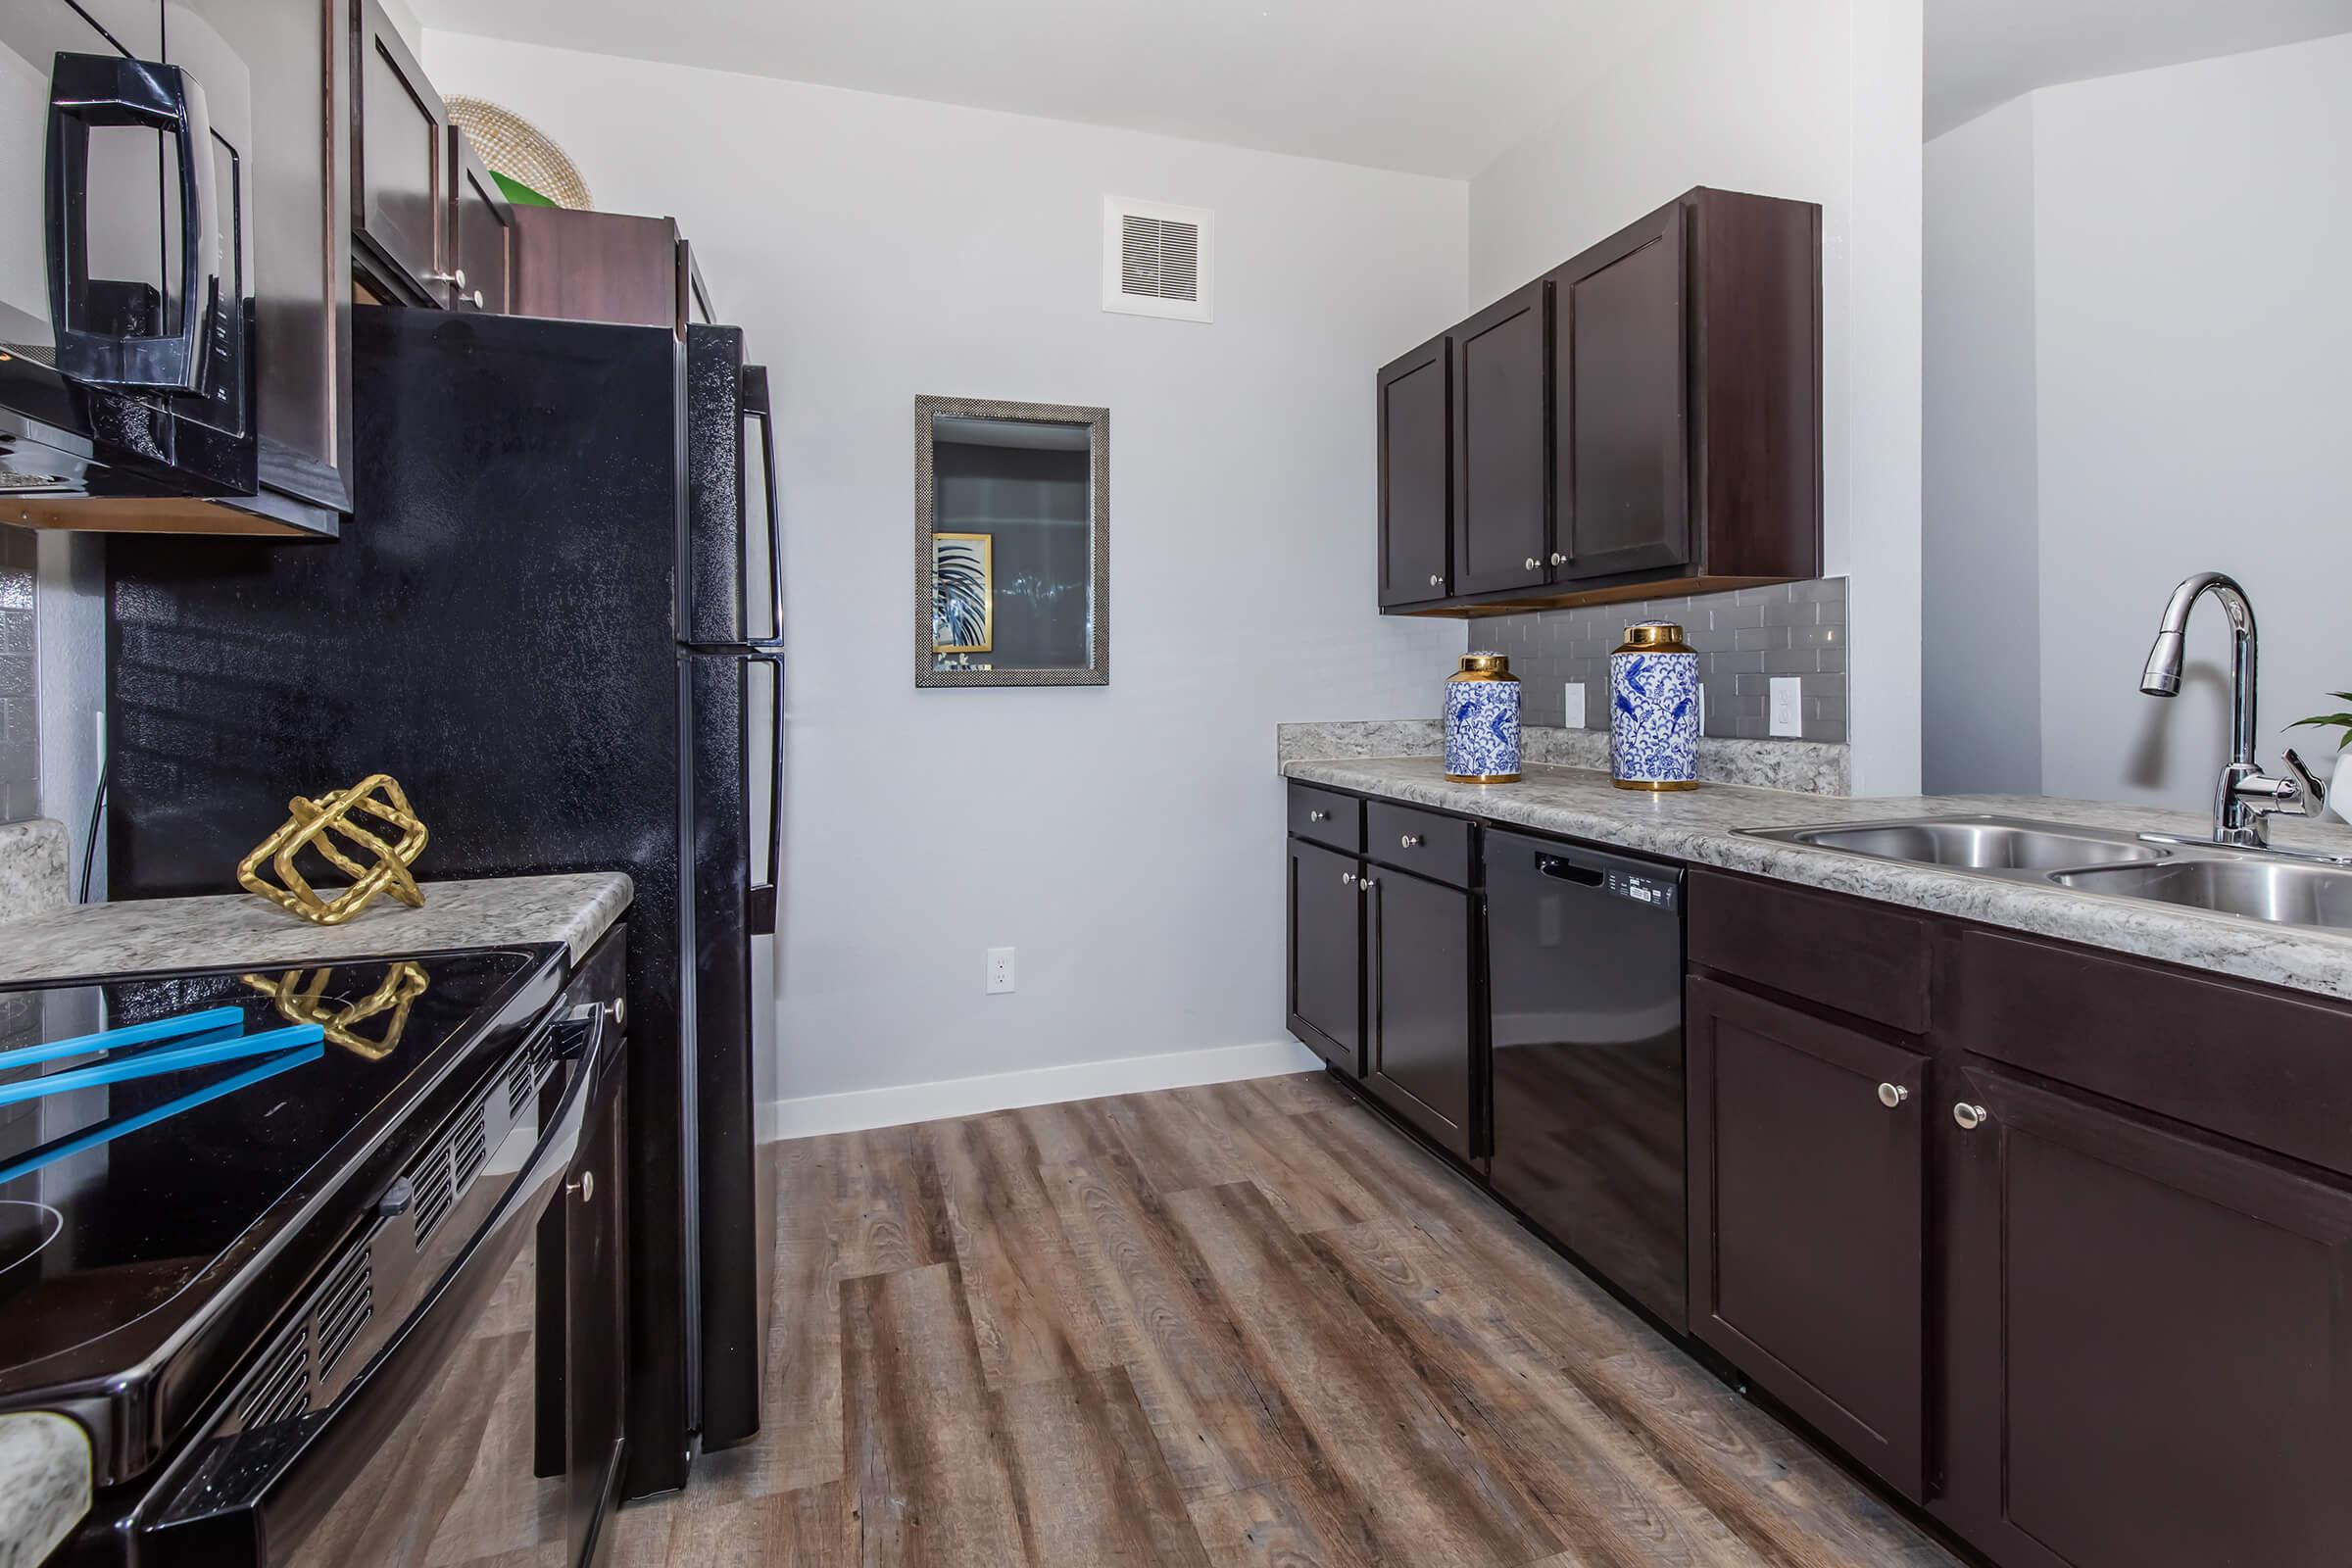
732	701
730	581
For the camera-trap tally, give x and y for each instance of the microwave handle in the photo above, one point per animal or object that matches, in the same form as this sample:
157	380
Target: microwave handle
88	91
756	406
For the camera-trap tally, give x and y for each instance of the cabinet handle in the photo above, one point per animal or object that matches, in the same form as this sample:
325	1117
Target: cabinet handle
477	299
458	277
1347	879
1413	841
1533	562
1892	1095
1367	884
1558	559
585	1186
1970	1118
1314	815
1436	582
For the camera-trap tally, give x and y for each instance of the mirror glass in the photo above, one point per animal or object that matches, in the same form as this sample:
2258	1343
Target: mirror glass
1010	560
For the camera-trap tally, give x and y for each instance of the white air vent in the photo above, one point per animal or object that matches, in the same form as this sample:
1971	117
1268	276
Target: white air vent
1156	259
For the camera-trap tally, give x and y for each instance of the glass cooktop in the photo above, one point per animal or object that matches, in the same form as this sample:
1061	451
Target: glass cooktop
148	1125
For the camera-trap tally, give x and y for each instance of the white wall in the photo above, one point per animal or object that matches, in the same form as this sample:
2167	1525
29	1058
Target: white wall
1127	840
2191	333
1980	676
70	602
1818	100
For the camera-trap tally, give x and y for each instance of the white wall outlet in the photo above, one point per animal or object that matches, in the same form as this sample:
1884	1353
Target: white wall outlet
1575	704
1788	706
1000	970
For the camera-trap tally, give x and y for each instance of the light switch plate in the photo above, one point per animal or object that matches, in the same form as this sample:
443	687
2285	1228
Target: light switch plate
1575	706
1788	706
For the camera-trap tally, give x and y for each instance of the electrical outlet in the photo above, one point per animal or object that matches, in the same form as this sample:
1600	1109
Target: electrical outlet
1788	706
1000	971
1575	706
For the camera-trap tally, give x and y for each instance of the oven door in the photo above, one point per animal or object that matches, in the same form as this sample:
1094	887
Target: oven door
463	1434
125	311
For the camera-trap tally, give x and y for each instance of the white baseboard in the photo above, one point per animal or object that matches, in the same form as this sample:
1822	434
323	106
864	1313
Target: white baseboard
812	1114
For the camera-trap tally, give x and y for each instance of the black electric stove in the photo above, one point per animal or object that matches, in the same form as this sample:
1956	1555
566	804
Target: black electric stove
182	1155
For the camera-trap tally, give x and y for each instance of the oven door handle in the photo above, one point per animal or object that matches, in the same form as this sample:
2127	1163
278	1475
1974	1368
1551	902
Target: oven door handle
259	1497
88	91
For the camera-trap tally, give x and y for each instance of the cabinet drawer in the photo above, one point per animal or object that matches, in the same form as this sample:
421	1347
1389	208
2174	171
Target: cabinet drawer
1328	818
1436	847
1849	954
2227	1057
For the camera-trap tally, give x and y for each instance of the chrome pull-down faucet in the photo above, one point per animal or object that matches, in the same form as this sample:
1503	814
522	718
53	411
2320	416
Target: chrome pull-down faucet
2245	797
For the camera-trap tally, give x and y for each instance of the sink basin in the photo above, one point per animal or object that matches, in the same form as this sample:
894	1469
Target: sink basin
1976	844
2283	893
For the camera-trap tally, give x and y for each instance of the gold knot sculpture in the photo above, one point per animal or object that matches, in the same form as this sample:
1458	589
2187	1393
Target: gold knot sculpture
300	998
375	862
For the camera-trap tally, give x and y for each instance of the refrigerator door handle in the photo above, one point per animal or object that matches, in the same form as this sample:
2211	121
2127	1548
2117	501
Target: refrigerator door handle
760	905
757	407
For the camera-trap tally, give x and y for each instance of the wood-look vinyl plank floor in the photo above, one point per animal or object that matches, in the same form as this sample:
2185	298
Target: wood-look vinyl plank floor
1238	1325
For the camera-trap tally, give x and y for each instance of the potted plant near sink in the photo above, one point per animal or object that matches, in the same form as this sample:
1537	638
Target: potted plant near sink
2339	784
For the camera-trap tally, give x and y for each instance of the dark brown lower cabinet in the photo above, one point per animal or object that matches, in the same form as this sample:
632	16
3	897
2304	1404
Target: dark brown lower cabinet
1420	1030
1808	1218
1327	954
2150	1341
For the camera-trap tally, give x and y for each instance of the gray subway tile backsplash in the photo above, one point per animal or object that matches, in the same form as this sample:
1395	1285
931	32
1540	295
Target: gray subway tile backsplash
19	728
1744	639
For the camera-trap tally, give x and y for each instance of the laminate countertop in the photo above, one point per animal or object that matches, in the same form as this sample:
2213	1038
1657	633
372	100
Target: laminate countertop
1702	826
152	934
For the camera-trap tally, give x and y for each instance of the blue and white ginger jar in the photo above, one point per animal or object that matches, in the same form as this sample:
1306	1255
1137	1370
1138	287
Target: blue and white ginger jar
1482	722
1653	709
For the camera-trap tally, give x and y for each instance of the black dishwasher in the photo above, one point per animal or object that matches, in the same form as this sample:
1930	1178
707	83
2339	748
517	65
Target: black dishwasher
1585	956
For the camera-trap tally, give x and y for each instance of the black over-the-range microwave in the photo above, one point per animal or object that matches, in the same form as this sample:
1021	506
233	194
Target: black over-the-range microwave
172	327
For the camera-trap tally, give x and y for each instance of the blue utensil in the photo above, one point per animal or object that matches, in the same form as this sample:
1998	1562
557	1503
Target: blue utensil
172	1058
135	1034
106	1132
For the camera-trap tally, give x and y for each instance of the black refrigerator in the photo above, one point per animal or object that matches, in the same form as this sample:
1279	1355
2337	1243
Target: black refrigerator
555	618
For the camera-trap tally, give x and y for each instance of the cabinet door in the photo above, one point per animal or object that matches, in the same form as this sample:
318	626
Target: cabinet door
481	228
400	153
1502	463
2150	1338
595	1325
600	266
1417	482
1807	1219
1420	1028
1621	368
1327	954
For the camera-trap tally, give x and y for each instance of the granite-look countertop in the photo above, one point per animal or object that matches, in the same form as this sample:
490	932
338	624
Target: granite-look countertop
149	934
32	867
44	1485
1700	826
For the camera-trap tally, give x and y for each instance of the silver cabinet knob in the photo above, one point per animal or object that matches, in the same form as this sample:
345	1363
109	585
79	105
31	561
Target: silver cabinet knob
1558	559
1436	582
1413	841
1367	884
477	299
1347	879
458	277
1533	562
1970	1118
584	1188
1318	817
1892	1095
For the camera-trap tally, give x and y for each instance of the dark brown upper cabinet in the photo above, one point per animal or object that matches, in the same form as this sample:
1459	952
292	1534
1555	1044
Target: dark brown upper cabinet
1808	1156
1620	443
606	266
1416	475
1645	418
481	230
1501	468
399	167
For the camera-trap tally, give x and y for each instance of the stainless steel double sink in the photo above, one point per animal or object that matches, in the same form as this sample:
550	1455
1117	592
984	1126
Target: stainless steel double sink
2249	883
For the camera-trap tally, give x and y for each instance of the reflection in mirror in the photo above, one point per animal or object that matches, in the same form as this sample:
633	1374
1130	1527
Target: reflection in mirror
1010	523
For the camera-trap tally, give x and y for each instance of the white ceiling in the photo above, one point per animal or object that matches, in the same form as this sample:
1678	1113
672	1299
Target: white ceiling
1428	86
1986	52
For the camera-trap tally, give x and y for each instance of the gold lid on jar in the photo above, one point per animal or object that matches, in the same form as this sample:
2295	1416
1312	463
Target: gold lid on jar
1654	637
1484	667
